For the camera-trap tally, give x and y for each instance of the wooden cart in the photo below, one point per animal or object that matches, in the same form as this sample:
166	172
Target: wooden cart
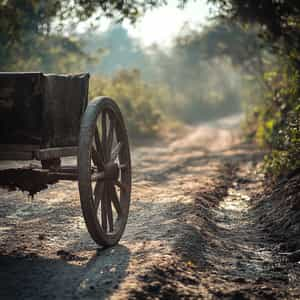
45	117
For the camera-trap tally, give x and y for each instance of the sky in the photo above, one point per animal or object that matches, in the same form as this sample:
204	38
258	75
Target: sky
160	25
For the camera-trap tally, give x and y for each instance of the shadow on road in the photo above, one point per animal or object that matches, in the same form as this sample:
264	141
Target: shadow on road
36	277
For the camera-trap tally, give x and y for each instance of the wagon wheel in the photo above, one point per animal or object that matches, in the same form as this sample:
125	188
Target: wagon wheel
104	171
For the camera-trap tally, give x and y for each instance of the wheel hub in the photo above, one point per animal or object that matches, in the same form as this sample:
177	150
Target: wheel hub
111	171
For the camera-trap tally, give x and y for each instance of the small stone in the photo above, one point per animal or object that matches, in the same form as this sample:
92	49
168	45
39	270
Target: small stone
239	279
154	287
41	236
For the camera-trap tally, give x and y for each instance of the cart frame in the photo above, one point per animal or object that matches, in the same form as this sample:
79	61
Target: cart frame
60	122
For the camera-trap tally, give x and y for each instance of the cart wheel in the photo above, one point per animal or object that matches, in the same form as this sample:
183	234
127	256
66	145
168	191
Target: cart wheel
104	171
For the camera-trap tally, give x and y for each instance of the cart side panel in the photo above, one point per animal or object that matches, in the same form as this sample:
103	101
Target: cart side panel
65	100
21	108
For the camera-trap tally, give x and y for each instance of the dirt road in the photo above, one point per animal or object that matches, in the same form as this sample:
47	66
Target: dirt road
193	231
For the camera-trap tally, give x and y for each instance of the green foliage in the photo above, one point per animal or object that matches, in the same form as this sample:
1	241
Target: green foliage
279	19
29	28
201	71
20	17
27	43
139	101
51	54
276	121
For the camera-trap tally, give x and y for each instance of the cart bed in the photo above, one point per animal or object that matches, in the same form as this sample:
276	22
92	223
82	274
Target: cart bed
41	110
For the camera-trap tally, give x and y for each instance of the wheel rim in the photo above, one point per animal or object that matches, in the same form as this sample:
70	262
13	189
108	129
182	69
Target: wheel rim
110	159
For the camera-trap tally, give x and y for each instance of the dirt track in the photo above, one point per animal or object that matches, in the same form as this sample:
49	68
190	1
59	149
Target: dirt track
193	231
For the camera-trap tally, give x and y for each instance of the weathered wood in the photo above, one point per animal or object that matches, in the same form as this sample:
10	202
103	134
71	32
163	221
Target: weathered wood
34	179
48	153
98	176
20	155
21	108
68	169
40	154
42	109
64	176
17	152
64	101
105	209
18	148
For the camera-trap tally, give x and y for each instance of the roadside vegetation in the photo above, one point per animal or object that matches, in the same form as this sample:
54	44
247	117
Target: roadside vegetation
274	120
138	100
274	123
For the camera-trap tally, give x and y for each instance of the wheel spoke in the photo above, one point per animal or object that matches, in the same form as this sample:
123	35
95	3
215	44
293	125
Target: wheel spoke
109	211
98	194
104	135
115	152
99	149
115	200
123	166
104	210
97	159
122	186
110	137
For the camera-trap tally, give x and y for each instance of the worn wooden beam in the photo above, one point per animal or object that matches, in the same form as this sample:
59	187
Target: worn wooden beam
64	176
16	155
48	153
18	147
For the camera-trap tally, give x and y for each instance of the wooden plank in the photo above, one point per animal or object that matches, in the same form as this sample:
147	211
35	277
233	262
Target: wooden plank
42	109
18	147
59	174
68	169
65	99
21	105
13	155
48	153
18	74
64	176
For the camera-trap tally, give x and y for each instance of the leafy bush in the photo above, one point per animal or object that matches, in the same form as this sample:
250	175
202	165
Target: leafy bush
277	121
138	101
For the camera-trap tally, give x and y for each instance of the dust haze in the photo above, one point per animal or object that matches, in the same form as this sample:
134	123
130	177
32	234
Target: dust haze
203	74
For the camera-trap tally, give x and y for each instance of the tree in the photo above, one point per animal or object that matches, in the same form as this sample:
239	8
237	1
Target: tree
279	21
29	26
276	119
20	16
230	40
26	41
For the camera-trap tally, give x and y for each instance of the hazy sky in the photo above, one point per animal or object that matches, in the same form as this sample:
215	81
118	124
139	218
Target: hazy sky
161	25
